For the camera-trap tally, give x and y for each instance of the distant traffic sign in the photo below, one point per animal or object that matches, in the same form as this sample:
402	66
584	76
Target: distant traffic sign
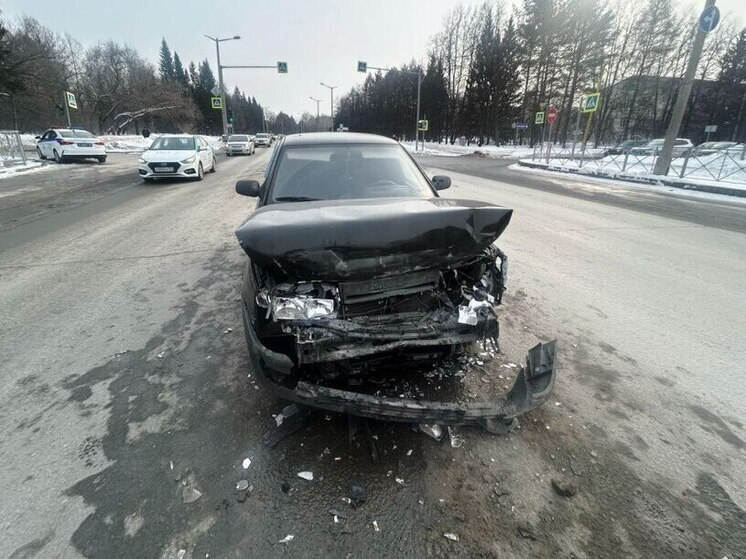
539	118
71	102
422	125
217	102
519	126
709	19
282	67
362	66
590	102
215	91
551	115
710	128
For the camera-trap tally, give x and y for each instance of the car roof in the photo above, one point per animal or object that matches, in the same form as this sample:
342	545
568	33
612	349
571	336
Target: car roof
326	138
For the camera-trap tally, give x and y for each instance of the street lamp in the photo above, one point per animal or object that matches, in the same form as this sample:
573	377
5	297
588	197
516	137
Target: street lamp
331	92
223	110
317	111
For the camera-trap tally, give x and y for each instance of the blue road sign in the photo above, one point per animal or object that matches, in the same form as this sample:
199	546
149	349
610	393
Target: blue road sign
709	19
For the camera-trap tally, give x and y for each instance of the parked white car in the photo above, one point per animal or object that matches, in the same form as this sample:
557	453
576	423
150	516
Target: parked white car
681	147
239	144
70	144
184	156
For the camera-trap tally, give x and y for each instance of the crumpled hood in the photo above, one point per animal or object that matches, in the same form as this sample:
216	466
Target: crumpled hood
344	239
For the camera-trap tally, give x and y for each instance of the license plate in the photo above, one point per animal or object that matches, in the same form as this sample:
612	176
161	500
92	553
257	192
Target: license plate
164	169
84	145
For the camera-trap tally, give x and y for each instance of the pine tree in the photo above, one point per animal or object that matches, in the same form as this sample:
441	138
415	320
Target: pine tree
179	73
166	65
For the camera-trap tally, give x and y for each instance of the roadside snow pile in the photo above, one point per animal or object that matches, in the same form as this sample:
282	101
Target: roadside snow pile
28	141
132	143
14	170
448	150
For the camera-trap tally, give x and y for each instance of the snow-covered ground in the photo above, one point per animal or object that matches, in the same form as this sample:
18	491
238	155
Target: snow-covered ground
15	170
583	179
705	170
448	150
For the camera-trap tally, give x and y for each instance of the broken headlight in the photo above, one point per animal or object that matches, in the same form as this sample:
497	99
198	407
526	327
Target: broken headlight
299	308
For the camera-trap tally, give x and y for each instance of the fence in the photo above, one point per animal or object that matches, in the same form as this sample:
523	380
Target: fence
725	165
11	148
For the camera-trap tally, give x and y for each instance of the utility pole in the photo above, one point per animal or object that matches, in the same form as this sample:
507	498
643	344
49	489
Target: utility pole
708	20
317	111
363	67
331	89
224	109
740	114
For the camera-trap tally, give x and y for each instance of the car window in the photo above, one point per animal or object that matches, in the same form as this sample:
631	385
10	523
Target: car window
347	172
82	134
681	142
52	135
173	143
67	133
238	138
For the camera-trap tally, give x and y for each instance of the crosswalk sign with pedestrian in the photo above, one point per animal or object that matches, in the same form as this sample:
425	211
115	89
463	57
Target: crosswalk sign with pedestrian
539	118
590	102
217	102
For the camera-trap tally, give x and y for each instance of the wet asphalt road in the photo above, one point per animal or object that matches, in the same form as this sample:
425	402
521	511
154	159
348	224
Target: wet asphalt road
122	354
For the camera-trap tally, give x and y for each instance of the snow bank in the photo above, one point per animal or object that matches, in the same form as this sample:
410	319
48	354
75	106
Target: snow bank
15	170
448	150
126	143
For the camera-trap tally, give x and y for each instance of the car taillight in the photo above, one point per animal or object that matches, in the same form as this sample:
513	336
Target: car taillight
65	142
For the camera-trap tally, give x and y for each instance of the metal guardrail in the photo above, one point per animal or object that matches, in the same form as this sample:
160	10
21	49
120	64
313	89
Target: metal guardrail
11	148
725	165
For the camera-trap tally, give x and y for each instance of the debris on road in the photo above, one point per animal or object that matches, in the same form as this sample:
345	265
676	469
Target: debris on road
190	494
357	494
433	431
456	439
576	468
563	488
308	476
400	481
336	514
451	536
180	554
227	330
526	530
593	453
246	463
409	452
285	486
287	538
375	526
242	485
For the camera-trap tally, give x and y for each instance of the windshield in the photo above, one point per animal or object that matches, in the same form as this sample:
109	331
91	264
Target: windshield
238	138
184	143
262	135
347	172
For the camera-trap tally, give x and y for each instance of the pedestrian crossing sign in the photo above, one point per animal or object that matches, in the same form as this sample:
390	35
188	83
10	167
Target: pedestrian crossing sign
539	118
217	102
590	102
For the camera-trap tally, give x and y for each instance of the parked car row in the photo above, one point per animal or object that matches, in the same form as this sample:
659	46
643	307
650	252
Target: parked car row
682	147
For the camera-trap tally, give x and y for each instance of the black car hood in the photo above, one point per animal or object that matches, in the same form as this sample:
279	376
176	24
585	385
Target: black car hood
344	239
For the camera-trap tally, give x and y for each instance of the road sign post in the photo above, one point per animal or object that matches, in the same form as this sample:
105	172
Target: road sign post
70	103
710	129
708	20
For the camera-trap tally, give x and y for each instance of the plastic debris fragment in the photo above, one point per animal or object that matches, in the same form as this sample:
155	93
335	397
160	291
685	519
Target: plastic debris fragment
375	526
246	463
357	494
180	554
287	539
190	494
242	485
456	439
308	476
433	431
409	452
451	536
400	481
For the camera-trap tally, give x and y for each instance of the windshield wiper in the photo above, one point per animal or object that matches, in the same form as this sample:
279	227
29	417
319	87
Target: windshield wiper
296	199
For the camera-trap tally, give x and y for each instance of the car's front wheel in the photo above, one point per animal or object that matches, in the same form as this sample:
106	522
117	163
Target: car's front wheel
200	172
41	155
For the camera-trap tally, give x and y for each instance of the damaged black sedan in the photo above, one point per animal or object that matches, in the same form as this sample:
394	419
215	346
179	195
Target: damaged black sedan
356	265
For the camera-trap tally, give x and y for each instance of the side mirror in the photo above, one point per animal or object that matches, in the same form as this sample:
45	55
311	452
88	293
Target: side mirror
441	182
37	137
248	188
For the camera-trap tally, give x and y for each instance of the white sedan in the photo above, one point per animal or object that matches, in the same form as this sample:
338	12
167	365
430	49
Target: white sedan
239	144
69	144
177	156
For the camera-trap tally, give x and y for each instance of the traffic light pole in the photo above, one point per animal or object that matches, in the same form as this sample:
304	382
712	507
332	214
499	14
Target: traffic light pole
664	160
331	89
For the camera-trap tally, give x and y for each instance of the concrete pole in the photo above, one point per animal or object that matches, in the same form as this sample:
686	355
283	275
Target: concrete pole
224	109
417	124
664	160
67	109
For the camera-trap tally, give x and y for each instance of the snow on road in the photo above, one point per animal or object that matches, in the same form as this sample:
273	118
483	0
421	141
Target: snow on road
448	150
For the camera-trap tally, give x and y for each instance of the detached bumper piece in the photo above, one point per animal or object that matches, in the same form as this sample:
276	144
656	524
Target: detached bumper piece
532	388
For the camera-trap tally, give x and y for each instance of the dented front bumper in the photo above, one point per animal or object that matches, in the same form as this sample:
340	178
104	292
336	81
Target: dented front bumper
532	387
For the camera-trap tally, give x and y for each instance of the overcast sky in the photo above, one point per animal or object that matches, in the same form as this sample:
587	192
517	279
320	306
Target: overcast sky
321	40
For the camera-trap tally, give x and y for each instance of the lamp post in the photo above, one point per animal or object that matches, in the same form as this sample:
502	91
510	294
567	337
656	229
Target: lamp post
223	110
331	89
317	111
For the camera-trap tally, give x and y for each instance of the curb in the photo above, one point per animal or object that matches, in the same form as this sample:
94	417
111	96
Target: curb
663	181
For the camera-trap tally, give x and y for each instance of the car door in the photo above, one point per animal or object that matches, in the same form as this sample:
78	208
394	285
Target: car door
204	153
44	143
